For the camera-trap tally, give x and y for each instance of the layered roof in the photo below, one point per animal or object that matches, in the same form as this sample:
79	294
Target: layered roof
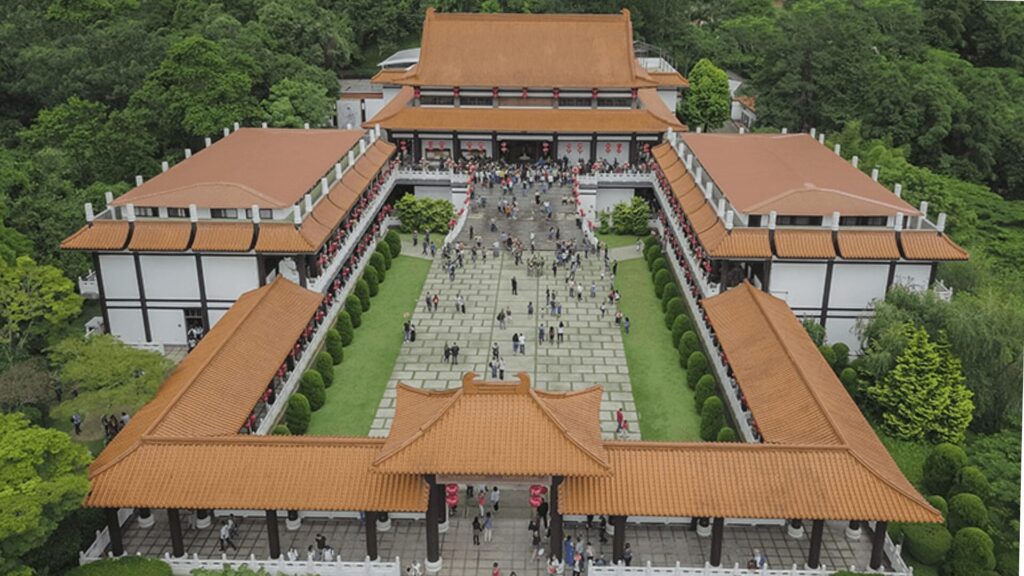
653	116
791	174
270	167
430	431
533	50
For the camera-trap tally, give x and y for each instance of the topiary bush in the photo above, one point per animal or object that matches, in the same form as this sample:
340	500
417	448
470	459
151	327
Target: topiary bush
385	251
726	434
704	389
972	480
324	364
675	308
378	264
696	366
334	346
354	310
842	352
661	279
659	263
297	415
668	293
371	277
281	430
965	511
681	325
928	543
688	344
362	292
971	553
712	418
394	243
344	327
126	566
849	379
650	240
311	385
652	253
941	468
939	503
828	354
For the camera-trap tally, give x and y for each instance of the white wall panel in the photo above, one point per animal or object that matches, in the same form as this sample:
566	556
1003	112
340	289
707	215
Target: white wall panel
167	326
228	277
913	276
127	324
215	316
843	330
607	198
574	149
436	192
170	277
613	150
857	285
119	280
800	285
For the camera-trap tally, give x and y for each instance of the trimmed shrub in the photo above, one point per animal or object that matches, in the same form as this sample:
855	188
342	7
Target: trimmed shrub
971	553
362	292
842	356
650	240
849	379
712	418
344	327
726	434
942	466
378	263
966	511
659	263
688	344
668	293
927	543
696	366
680	326
675	308
324	364
394	243
705	388
652	253
354	310
297	415
661	279
385	251
372	278
972	480
939	503
126	566
281	430
828	354
334	346
311	385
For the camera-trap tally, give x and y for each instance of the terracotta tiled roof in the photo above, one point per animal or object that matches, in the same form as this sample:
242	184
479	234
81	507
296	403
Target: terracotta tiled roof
533	50
270	167
868	245
223	237
747	102
540	433
791	174
388	76
804	244
157	236
256	473
211	392
100	235
653	117
669	79
741	481
282	239
926	245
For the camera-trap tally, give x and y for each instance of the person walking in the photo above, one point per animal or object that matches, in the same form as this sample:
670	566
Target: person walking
542	511
515	286
477	528
625	324
561	332
522	343
225	537
76	421
501	368
495	499
481	500
455	353
488	528
495	571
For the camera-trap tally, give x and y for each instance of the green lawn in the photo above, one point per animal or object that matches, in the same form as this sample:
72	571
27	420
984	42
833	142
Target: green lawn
617	240
909	456
360	380
663	400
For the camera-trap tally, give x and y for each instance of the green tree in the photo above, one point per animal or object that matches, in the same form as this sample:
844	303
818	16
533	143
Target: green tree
297	414
362	291
334	346
966	510
354	309
424	214
344	326
394	243
971	553
631	217
378	262
704	389
43	479
311	385
103	361
706	103
371	277
294	103
923	397
324	364
688	344
696	366
25	382
712	418
34	300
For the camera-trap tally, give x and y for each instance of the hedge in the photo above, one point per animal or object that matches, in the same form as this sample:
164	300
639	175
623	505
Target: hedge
334	346
726	434
394	243
385	251
828	353
680	326
127	566
696	366
972	480
971	553
297	415
674	308
659	263
849	379
939	503
378	263
688	344
281	430
324	364
354	310
661	279
842	356
651	253
965	511
941	467
670	291
712	418
372	279
362	292
344	327
311	385
704	389
650	240
928	543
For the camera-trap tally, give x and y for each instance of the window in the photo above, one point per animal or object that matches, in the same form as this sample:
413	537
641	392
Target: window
437	100
878	221
574	102
798	221
224	213
754	221
614	102
476	101
265	213
146	211
177	212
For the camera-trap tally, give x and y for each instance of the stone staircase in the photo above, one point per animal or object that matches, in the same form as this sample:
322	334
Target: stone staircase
531	216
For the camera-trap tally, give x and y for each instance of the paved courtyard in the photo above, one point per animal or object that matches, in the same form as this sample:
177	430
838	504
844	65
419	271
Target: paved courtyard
662	545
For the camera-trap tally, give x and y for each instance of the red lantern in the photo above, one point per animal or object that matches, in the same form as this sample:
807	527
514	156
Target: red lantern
430	144
608	147
416	92
440	144
647	148
568	147
401	144
455	92
535	501
593	93
452	500
545	146
494	92
579	147
555	93
451	489
633	93
480	146
526	93
618	148
504	146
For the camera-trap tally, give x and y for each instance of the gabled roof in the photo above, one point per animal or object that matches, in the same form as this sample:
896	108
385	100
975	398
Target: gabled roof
528	432
531	50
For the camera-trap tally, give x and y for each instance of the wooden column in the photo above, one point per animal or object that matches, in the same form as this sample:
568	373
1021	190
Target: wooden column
114	530
634	155
619	538
370	521
556	519
177	542
717	527
593	147
814	556
878	544
434	504
273	538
